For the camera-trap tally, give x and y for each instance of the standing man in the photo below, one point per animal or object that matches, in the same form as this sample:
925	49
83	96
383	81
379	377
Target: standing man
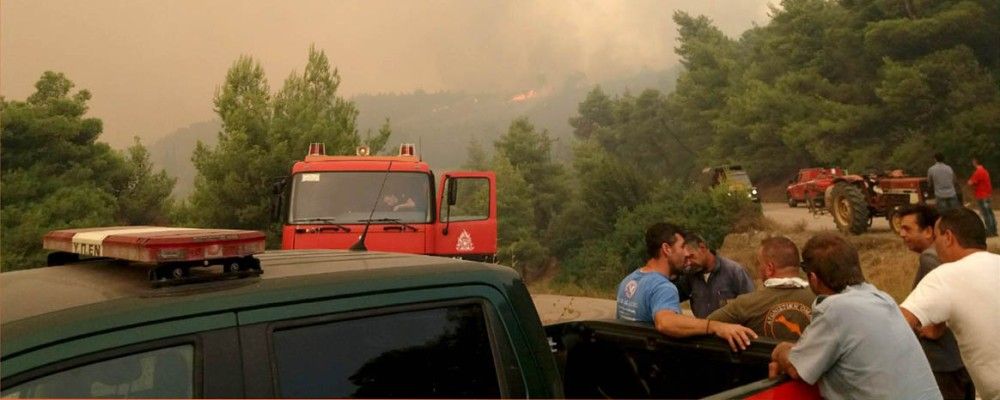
982	190
917	231
712	280
942	178
646	295
962	292
781	309
858	345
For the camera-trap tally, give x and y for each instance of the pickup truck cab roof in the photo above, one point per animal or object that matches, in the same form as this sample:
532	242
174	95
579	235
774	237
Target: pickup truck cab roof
109	293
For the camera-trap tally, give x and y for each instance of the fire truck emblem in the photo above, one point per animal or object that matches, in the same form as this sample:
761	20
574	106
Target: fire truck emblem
464	242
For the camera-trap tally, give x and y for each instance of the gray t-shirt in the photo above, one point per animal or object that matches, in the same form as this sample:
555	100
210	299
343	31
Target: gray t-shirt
943	352
858	346
941	176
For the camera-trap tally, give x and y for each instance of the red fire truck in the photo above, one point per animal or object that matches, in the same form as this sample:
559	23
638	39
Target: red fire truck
330	202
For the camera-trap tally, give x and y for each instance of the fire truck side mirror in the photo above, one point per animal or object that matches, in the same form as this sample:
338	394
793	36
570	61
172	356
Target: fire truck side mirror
277	197
452	191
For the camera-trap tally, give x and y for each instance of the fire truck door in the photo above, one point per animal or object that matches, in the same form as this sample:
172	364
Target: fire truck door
467	215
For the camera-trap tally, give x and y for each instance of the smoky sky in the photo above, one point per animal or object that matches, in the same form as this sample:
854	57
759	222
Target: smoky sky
153	66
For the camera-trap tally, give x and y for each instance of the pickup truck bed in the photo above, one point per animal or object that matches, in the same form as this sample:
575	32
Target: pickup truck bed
615	359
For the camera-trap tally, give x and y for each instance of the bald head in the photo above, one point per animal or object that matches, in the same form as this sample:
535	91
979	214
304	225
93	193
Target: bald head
780	251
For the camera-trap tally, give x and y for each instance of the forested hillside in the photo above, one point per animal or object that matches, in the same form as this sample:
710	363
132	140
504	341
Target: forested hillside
861	84
434	120
866	85
173	153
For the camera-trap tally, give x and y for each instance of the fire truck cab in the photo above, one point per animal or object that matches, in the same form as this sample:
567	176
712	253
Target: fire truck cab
327	202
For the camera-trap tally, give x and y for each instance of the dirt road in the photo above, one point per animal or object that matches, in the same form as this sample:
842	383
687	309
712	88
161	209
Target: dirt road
554	308
790	217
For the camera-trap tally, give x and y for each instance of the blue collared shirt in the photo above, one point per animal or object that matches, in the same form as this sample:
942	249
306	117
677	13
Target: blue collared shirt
859	346
728	280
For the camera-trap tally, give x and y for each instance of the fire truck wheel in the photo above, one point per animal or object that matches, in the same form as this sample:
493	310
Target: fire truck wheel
179	272
232	266
791	202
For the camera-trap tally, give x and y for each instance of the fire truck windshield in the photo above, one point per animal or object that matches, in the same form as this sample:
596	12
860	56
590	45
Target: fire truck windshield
348	197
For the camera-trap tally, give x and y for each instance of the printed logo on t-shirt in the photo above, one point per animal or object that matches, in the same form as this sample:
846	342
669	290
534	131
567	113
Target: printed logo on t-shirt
630	288
790	316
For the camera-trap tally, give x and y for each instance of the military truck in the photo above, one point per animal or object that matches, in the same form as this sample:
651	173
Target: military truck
732	177
332	323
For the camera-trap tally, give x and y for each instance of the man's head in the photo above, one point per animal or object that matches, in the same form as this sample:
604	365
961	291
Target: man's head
916	226
666	241
778	257
959	232
831	263
390	199
975	162
939	157
700	255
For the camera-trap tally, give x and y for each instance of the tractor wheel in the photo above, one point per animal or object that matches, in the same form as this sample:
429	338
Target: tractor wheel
791	202
849	210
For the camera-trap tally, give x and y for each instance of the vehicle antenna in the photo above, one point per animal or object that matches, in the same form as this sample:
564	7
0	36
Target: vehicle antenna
360	244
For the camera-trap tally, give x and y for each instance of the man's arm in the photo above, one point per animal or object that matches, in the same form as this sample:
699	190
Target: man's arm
911	319
407	205
729	313
677	325
934	331
977	177
780	363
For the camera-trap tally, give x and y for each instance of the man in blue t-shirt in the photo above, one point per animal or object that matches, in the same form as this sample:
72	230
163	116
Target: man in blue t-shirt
646	295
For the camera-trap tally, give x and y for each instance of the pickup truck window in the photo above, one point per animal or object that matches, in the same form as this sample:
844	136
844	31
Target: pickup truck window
163	373
438	352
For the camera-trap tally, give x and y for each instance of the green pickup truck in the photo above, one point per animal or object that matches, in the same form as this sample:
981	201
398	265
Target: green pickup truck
338	324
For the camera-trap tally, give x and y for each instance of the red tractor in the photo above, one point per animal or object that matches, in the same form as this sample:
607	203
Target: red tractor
810	186
854	200
394	202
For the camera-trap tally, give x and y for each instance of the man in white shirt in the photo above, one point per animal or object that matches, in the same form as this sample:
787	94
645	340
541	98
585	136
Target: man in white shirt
964	292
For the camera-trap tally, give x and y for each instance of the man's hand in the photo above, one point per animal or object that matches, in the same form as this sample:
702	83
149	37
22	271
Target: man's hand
738	336
780	363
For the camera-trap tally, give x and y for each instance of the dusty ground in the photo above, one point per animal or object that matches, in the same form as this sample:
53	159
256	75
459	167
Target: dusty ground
793	217
553	308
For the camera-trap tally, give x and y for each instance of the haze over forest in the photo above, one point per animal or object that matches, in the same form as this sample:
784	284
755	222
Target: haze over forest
866	85
153	66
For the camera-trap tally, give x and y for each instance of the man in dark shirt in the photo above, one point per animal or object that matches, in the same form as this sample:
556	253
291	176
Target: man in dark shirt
917	231
711	280
782	307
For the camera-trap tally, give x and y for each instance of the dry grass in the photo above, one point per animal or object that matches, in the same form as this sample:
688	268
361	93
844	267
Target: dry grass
886	262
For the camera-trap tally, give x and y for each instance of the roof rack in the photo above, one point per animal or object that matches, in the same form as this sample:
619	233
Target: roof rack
170	253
